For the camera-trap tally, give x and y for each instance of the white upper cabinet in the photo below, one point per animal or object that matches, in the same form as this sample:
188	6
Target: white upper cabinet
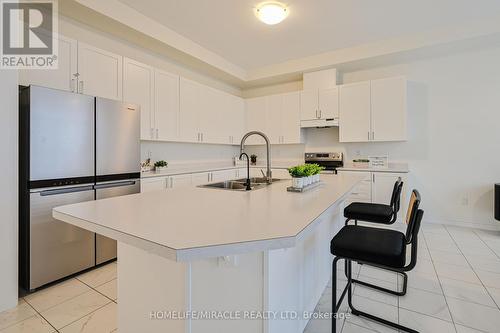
388	101
237	118
373	110
328	103
138	88
319	105
309	105
278	116
64	77
208	115
355	112
189	109
290	115
256	114
100	72
166	96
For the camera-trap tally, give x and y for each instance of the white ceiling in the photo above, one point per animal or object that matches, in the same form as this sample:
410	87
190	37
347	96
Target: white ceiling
230	29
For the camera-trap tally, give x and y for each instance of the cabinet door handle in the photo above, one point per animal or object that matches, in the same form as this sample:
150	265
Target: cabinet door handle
320	114
151	133
157	134
373	135
81	87
201	137
368	135
373	177
198	137
72	85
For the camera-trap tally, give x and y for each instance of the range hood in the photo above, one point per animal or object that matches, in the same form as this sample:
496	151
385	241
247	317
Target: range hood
319	123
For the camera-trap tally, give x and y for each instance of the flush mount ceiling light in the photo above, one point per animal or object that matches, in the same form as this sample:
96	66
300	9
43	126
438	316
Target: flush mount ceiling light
271	12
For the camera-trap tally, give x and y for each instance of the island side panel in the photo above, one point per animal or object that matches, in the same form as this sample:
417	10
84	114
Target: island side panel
232	285
149	288
297	277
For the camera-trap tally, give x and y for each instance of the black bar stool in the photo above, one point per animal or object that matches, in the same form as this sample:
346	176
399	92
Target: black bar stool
381	214
377	247
376	213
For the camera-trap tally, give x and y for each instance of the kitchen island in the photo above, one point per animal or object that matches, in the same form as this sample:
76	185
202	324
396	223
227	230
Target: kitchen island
210	260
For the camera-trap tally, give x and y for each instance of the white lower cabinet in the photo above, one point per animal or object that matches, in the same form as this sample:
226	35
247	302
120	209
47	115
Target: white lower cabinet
188	180
153	184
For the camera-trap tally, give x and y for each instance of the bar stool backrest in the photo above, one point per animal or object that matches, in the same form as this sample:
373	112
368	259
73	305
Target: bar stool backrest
396	196
413	216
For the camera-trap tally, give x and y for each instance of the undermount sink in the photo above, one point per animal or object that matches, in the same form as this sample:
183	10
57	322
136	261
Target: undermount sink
257	180
239	184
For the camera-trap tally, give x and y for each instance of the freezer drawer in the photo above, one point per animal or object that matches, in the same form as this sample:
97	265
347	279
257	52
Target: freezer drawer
118	149
57	249
106	247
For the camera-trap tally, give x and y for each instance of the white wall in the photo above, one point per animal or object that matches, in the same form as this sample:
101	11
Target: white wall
8	190
454	134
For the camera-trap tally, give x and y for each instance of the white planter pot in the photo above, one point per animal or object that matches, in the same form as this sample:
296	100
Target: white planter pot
316	178
158	169
309	180
298	182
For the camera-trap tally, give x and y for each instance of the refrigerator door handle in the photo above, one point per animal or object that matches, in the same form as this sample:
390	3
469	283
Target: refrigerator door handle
46	193
116	184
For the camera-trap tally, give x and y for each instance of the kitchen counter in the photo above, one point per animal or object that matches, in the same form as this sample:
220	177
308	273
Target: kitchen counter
199	168
193	250
222	222
392	167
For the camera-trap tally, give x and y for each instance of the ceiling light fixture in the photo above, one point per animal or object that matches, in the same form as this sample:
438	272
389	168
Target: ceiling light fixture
271	12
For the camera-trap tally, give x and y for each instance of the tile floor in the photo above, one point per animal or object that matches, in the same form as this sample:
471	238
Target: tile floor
454	288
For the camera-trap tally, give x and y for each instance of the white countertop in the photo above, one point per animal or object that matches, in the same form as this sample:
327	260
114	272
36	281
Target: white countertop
193	223
392	167
198	168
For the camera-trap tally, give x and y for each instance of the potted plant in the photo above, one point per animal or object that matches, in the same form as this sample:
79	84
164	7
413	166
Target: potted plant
160	165
316	171
253	159
298	176
309	171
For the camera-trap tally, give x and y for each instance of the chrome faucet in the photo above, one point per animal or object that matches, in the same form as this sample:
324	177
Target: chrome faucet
269	174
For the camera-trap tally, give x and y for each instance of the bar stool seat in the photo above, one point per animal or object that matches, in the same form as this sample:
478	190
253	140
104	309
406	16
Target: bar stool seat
377	246
370	212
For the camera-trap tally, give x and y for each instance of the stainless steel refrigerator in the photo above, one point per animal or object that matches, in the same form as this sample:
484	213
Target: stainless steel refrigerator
72	148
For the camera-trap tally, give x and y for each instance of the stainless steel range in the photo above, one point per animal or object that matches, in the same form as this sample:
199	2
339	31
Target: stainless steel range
330	161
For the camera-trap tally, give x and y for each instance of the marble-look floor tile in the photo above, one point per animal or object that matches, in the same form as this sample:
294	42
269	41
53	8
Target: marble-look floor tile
464	329
377	273
495	294
57	294
489	279
74	309
376	295
104	320
382	310
99	276
427	282
21	312
34	324
474	315
449	258
426	303
456	272
469	292
351	328
481	263
109	289
423	323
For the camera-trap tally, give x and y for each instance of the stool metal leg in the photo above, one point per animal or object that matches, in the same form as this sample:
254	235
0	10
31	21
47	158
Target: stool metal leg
393	292
336	305
357	312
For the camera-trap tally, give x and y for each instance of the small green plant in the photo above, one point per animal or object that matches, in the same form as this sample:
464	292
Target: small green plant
305	170
160	164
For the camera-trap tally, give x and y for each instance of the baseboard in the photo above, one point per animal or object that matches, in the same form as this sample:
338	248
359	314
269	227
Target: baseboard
462	224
